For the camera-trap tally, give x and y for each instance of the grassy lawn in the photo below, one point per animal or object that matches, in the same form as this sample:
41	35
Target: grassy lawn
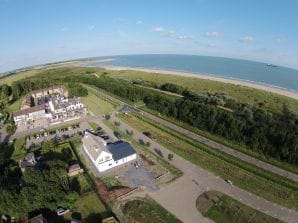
111	182
224	209
90	208
273	102
176	173
258	181
19	147
147	211
97	105
93	125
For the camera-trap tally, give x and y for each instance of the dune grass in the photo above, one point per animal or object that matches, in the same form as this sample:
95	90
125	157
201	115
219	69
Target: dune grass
255	97
18	76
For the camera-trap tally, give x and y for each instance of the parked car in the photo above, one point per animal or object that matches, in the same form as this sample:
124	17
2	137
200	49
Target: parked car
61	211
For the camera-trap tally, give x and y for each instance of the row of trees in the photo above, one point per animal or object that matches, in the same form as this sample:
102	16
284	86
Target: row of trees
264	132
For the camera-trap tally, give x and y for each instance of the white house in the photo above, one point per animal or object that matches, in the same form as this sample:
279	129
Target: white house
105	156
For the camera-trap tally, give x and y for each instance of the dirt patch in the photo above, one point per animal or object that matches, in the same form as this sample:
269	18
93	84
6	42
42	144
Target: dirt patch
147	160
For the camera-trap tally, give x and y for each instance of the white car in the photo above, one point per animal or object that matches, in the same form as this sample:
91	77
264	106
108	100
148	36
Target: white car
61	211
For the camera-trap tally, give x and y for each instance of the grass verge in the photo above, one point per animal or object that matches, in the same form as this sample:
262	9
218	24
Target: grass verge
224	209
258	181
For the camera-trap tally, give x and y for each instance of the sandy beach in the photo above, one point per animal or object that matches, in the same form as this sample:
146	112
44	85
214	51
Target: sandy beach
213	78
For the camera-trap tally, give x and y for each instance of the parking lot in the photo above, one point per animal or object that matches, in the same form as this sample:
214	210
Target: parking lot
56	135
139	177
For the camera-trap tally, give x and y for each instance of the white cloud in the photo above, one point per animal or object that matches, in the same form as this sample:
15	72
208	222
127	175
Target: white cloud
91	27
159	29
246	39
139	22
185	37
212	34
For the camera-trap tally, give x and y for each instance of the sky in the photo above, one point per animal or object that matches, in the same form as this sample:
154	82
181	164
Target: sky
39	31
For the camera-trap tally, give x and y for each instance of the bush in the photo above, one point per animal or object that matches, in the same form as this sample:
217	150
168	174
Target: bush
117	123
107	116
170	156
148	134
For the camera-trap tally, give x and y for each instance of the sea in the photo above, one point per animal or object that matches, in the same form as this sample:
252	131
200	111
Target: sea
244	70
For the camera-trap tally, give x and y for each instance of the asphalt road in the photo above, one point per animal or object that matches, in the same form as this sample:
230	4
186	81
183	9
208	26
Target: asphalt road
180	196
210	143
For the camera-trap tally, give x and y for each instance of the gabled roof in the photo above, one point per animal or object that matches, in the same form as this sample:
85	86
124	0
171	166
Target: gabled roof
120	150
29	110
37	219
94	145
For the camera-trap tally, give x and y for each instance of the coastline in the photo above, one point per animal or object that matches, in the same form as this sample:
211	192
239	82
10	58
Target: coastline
259	86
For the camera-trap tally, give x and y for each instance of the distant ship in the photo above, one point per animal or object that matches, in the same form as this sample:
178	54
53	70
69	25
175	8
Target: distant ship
271	65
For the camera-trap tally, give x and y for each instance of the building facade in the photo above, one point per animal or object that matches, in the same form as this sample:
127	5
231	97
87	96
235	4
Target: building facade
104	156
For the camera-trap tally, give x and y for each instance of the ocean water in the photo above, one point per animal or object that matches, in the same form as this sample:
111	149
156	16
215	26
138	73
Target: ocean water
250	71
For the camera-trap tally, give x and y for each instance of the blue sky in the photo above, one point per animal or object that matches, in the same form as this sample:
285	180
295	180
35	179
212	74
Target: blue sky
40	31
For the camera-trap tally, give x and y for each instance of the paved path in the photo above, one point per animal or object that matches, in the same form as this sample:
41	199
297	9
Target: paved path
179	197
212	144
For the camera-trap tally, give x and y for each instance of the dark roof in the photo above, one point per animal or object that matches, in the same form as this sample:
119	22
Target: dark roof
29	110
121	150
37	219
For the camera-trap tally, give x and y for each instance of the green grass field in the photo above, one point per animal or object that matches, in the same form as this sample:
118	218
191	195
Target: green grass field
224	209
147	211
97	105
258	181
270	101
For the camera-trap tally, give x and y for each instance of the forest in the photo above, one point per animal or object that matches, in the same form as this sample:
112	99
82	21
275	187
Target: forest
35	189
